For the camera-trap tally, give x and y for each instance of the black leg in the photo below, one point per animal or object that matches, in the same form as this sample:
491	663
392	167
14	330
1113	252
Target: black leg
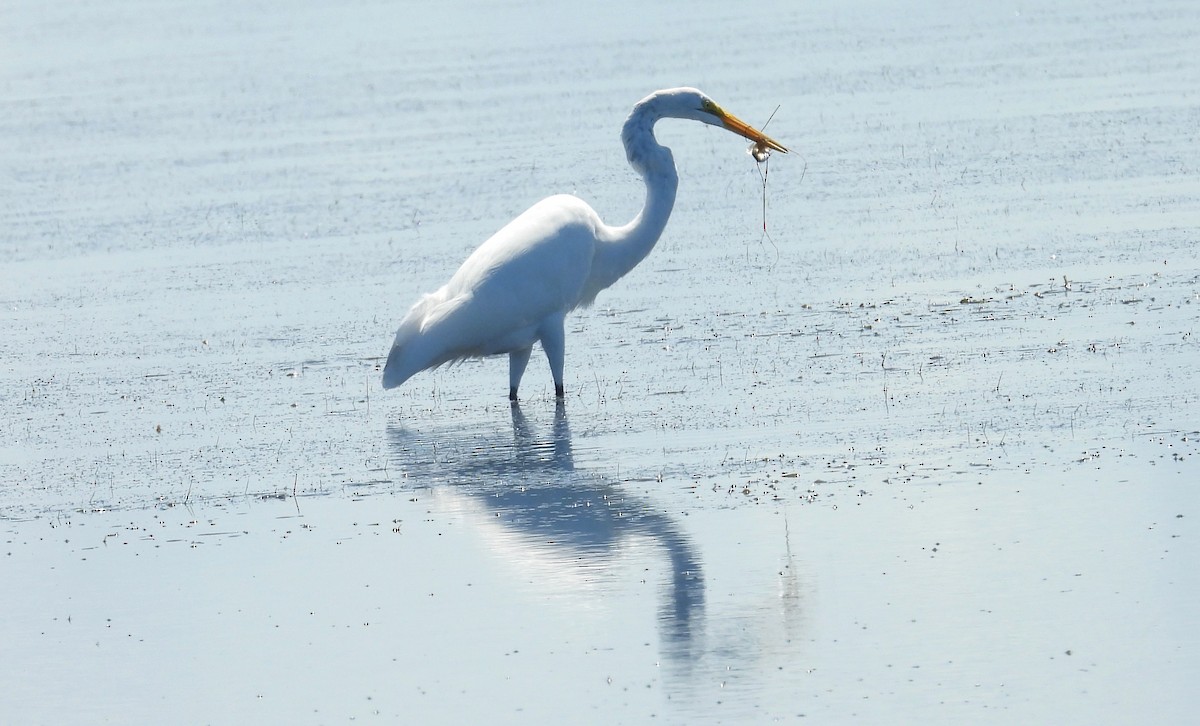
558	391
512	394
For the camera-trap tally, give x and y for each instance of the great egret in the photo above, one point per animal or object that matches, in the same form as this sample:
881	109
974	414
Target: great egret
518	286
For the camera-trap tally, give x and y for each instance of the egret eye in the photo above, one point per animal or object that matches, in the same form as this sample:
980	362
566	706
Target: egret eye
760	151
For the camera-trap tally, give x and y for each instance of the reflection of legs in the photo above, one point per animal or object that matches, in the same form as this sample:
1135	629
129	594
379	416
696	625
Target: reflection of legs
562	437
530	449
553	339
517	360
520	424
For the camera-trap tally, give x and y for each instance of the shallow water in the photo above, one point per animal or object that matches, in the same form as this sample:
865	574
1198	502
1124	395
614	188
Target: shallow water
927	453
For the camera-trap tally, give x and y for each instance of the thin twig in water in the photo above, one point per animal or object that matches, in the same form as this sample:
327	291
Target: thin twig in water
764	126
763	171
762	158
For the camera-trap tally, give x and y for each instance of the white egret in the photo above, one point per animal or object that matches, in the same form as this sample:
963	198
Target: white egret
518	286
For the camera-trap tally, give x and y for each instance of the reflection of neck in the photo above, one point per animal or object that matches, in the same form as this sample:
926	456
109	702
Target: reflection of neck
680	611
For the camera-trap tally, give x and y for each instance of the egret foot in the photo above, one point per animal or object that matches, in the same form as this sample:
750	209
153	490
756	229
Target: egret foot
512	394
559	392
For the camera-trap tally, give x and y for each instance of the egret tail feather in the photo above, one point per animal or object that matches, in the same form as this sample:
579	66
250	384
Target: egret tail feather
393	373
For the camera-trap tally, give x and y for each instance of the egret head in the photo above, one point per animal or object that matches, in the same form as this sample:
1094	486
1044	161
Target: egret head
691	103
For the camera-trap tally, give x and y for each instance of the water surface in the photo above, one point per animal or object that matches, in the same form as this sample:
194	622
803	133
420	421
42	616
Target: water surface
925	453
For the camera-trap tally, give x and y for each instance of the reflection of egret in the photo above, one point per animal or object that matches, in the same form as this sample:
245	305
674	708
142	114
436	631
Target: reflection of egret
518	286
554	518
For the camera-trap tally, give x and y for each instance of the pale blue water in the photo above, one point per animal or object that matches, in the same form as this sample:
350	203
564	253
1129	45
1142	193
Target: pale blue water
925	454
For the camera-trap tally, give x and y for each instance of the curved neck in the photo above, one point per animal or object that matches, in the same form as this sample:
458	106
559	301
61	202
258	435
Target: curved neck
624	247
